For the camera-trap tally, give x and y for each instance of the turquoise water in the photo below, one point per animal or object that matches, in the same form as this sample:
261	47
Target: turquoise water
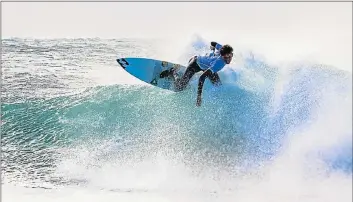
64	125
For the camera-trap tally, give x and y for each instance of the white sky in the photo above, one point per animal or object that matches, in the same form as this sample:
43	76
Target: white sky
281	30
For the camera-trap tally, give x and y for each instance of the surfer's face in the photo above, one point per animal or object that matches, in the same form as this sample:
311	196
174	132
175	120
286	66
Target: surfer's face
228	57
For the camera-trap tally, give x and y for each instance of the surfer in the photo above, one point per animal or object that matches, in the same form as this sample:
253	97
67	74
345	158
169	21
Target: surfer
210	64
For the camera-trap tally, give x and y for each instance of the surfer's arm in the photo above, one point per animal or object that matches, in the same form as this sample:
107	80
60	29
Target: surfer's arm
215	45
215	79
202	78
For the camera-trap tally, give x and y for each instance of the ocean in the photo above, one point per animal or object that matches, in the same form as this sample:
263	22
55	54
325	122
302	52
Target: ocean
75	126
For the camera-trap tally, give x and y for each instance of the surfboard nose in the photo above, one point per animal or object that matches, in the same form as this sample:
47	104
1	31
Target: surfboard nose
122	62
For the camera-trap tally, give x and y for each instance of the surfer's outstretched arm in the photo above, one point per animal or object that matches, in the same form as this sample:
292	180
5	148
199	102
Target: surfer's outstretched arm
202	78
215	46
215	79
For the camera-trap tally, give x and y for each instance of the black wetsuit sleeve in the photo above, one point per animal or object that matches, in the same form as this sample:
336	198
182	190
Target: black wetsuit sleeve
213	43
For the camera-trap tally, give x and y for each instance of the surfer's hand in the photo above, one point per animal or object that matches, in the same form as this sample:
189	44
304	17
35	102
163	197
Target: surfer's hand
198	101
212	48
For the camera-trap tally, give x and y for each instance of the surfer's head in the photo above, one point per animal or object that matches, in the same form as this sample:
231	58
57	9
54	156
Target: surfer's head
227	53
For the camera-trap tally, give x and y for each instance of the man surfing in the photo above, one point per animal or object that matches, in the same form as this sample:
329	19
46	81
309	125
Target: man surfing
210	64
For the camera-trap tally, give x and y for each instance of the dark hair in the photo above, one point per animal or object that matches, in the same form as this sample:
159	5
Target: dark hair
226	49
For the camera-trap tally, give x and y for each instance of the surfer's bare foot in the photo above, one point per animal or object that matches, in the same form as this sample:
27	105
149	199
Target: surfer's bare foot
167	73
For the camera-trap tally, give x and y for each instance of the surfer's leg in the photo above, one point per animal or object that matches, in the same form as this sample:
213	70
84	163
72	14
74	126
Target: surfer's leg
170	72
182	82
192	68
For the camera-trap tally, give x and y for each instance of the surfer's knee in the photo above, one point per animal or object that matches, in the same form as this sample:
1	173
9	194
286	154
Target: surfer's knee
180	84
192	58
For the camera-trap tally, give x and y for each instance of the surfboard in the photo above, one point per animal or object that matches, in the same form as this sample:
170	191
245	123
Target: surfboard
149	70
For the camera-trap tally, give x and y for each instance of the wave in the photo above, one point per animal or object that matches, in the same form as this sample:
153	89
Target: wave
262	115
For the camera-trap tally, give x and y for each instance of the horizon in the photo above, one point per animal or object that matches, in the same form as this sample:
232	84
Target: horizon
282	31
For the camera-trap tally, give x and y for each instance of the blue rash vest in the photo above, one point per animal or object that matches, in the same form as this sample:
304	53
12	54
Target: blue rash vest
212	61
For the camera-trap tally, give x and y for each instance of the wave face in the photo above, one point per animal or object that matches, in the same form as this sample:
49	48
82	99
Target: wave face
266	130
